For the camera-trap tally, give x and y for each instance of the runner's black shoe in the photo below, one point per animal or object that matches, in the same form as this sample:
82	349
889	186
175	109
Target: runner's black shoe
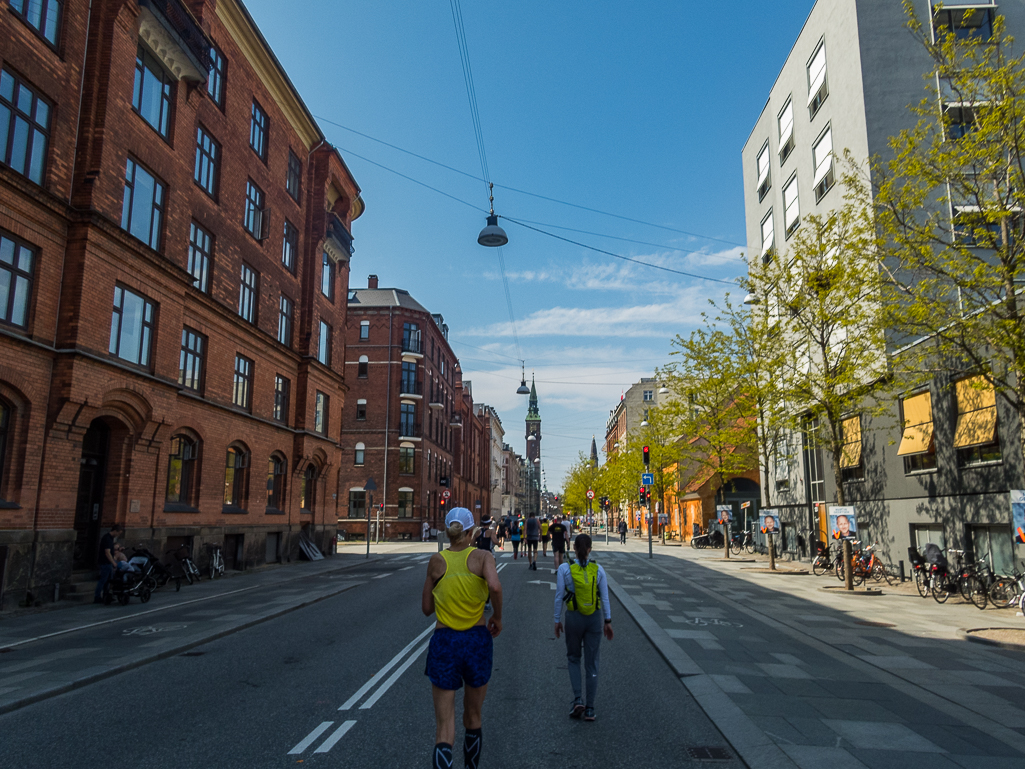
578	709
589	714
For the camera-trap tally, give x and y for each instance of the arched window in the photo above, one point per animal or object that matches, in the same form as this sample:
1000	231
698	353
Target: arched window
364	361
308	489
181	470
275	482
361	451
236	477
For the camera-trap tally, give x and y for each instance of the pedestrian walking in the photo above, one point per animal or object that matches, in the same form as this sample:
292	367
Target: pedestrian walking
533	532
559	534
583	588
514	537
622	531
425	531
108	563
545	537
459	582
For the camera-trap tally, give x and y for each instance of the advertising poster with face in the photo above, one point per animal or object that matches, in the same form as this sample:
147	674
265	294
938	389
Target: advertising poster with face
768	521
725	513
842	522
1018	515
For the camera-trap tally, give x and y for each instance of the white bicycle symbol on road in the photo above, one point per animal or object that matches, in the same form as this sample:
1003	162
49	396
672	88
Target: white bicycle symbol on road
151	630
707	621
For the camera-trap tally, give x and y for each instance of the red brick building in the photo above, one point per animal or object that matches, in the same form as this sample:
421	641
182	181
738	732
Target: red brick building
409	422
174	249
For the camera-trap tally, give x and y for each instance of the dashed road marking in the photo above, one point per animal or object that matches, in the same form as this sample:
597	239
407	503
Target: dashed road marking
384	671
309	738
336	735
405	568
386	574
394	677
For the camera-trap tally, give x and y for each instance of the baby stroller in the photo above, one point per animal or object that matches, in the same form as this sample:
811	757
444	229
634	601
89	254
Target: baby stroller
128	581
154	572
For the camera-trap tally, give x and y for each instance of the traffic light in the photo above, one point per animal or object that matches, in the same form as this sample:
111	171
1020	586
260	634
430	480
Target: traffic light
647	457
441	504
642	495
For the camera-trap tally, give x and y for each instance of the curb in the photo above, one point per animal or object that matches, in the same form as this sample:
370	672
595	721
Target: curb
94	677
762	570
966	634
734	559
857	591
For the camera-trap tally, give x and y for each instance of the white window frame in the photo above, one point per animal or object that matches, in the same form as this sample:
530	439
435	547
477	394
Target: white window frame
822	156
762	166
785	124
790	223
818	89
772	235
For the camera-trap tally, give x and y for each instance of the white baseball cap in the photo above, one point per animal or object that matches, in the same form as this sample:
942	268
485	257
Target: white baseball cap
461	516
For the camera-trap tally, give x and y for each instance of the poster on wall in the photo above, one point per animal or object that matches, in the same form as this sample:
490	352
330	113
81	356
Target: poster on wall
724	513
768	521
1018	515
842	522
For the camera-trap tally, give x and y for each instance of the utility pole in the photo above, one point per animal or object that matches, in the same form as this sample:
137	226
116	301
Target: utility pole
369	487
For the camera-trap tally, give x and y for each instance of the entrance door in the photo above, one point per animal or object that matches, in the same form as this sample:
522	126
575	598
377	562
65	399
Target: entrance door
89	502
993	545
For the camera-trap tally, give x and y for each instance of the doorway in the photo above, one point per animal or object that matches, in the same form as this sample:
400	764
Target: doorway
234	554
89	500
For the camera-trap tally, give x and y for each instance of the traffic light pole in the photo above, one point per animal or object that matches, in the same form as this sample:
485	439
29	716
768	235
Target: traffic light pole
651	520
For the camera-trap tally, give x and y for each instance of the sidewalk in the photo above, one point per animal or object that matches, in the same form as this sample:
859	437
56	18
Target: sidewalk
46	653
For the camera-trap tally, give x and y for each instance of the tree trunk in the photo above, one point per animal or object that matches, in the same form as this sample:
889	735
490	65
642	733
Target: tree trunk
772	551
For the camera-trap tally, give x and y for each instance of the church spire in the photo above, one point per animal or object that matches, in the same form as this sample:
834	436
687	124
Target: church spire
594	453
532	413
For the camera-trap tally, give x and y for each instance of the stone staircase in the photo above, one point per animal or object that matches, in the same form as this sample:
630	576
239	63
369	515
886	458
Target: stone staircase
80	587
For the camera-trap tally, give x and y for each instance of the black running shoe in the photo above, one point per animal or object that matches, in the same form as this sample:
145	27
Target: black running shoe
589	714
578	709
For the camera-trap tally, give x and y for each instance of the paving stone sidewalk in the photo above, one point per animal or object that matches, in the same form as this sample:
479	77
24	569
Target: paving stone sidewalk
795	676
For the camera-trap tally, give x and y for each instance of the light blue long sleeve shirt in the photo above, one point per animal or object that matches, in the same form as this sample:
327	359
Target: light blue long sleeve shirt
564	578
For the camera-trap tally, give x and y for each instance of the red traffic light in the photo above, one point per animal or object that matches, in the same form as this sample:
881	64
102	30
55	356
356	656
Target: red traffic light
442	501
647	455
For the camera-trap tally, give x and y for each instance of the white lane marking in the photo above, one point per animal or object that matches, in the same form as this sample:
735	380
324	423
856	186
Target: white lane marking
336	735
386	574
541	582
309	738
425	558
384	671
405	568
500	567
393	678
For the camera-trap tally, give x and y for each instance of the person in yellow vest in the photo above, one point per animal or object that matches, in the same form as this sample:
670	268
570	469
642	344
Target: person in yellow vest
544	537
459	582
584	589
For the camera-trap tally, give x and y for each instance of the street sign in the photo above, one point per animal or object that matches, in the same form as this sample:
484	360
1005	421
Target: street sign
370	485
590	494
745	505
647	478
446	494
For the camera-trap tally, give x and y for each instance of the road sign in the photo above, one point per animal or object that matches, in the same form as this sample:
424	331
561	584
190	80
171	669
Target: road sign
745	505
590	494
370	485
647	478
446	494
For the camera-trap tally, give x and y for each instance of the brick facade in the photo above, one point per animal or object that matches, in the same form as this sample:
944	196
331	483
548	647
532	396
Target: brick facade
90	432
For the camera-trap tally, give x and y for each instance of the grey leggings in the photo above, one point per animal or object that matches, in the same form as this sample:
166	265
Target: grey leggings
584	630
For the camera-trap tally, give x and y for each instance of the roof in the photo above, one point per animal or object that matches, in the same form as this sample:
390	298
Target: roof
384	297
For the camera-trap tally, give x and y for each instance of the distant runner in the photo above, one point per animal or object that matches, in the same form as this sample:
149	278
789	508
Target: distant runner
622	531
514	537
583	587
458	583
544	537
533	532
559	533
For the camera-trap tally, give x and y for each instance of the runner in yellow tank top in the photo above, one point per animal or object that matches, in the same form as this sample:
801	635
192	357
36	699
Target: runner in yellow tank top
459	582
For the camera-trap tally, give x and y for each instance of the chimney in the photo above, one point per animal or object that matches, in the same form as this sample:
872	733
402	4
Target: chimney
372	281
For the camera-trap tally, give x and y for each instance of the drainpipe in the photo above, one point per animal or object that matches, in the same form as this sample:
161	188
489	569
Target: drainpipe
387	422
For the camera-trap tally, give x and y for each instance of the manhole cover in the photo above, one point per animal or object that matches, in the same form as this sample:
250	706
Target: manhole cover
875	624
192	654
708	753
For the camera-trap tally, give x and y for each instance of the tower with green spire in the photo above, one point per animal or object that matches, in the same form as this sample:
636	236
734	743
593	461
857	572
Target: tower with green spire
533	437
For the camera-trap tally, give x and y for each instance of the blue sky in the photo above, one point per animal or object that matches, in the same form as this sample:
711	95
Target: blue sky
637	109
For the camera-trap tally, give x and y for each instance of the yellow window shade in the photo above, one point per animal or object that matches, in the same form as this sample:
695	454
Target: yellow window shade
917	436
850	456
976	413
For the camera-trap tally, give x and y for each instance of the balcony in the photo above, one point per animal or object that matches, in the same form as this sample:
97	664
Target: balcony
437	399
411	347
172	33
456	421
410	388
338	241
409	431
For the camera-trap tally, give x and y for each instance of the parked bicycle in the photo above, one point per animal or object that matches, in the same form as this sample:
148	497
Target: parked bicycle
216	562
824	559
183	555
921	572
1005	592
740	542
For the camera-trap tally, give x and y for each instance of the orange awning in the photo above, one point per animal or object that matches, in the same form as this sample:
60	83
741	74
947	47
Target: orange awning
850	455
976	413
917	436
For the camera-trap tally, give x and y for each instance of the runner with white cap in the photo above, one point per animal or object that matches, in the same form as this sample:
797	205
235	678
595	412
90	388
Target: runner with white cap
458	584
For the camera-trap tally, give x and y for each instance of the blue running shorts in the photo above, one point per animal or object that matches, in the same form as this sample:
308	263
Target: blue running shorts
455	656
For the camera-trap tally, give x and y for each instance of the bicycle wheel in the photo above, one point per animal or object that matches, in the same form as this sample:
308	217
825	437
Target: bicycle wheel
144	595
922	583
750	548
177	584
195	571
976	591
187	574
939	590
1003	593
879	573
819	566
857	576
735	548
963	584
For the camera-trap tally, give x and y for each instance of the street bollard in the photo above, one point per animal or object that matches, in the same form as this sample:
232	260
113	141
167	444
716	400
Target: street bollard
848	567
902	576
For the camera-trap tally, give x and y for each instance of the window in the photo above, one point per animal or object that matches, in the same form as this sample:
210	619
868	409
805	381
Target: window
357	504
817	87
24	127
364	363
964	23
208	157
324	344
242	385
131	327
143	207
791	206
782	464
410	337
959	120
215	80
253	221
361	410
361	453
768	238
236	481
813	459
42	15
281	391
190	362
258	131
327	276
15	281
320	413
973	229
275	482
763	172
181	466
285	321
407	419
649	395
152	95
786	131
308	489
248	292
822	155
916	443
407	383
852	468
975	436
405	503
200	253
364	329
407	460
292	181
289	246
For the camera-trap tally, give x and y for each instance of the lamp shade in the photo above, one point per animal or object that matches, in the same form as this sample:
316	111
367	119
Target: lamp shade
493	236
752	298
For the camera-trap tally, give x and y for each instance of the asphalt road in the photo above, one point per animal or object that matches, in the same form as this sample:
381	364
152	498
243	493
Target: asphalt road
270	695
